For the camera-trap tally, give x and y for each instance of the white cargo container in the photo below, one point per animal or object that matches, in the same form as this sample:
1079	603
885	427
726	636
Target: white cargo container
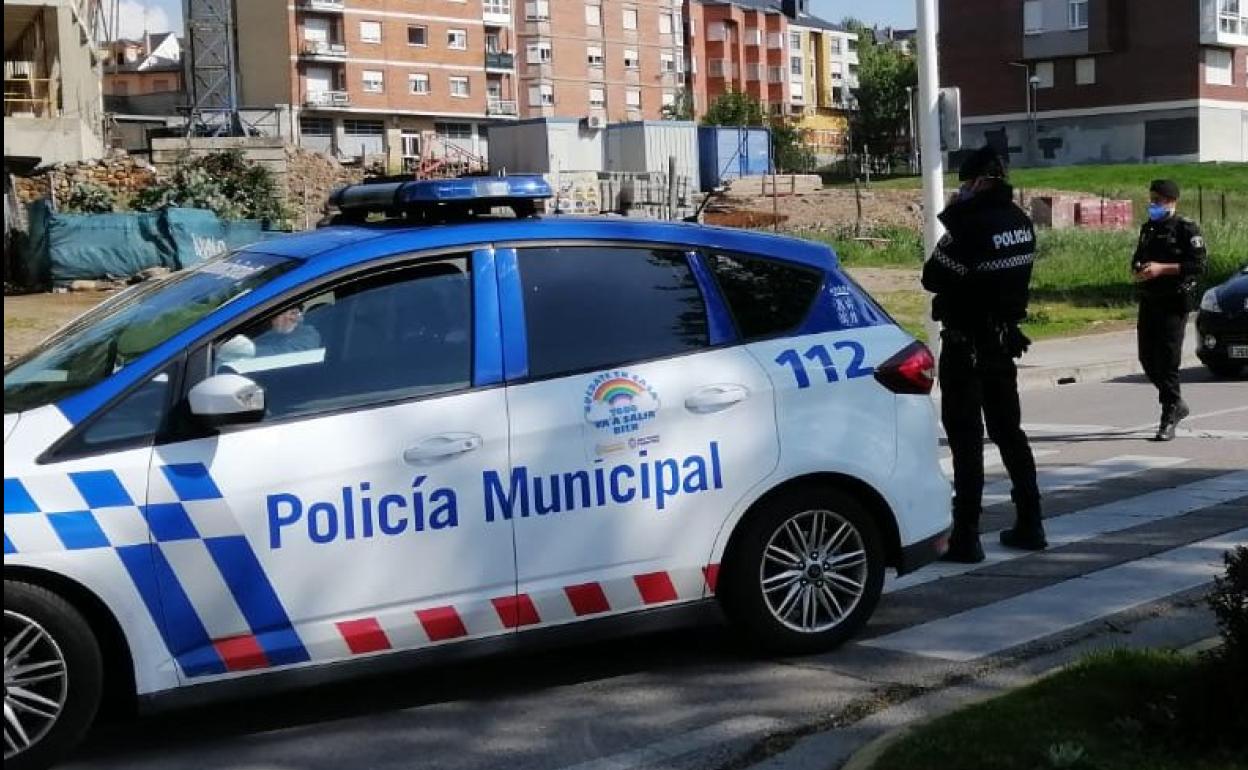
645	146
545	146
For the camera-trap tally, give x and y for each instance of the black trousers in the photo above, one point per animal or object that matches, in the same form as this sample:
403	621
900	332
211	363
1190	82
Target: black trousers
1159	335
979	387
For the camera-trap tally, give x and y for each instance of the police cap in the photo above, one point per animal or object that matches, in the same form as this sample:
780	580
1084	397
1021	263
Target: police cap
1166	188
983	162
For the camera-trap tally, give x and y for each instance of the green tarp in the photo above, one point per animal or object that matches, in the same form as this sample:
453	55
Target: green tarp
68	247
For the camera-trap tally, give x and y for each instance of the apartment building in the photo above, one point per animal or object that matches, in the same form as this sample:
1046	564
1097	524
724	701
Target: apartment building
410	82
53	109
601	60
823	76
1055	82
793	62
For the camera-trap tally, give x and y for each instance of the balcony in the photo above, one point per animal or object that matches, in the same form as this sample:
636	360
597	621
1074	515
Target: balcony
507	108
500	60
496	13
1224	22
755	72
320	50
775	40
327	99
323	6
753	36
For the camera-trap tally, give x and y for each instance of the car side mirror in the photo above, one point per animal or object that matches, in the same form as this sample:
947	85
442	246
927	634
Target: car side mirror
227	399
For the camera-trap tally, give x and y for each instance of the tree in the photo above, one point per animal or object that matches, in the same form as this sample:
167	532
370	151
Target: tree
681	107
882	118
735	108
788	142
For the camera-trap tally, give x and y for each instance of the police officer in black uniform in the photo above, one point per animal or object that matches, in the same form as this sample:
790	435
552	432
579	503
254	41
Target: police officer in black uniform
1167	263
980	273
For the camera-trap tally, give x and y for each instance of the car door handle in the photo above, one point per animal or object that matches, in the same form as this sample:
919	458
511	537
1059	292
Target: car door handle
441	446
715	398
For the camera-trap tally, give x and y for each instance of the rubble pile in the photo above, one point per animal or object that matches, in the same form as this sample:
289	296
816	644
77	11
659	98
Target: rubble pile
120	173
309	179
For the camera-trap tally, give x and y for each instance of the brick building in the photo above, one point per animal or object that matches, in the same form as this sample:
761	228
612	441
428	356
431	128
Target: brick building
795	63
1076	81
603	60
403	81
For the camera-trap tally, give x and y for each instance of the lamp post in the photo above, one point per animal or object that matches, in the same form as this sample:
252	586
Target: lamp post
914	147
1033	84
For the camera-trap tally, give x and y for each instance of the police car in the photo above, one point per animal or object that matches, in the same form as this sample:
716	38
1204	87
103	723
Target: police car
443	433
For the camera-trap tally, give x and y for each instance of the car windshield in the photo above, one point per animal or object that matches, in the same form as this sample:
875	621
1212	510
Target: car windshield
123	328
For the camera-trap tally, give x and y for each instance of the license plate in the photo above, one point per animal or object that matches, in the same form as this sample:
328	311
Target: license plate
1237	351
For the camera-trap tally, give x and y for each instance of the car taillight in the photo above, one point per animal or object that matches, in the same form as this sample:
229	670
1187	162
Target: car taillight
911	371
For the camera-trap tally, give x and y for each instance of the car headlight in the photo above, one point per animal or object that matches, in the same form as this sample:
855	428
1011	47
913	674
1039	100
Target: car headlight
1209	302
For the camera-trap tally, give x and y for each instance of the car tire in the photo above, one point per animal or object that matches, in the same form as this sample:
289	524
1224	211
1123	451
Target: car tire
53	636
833	592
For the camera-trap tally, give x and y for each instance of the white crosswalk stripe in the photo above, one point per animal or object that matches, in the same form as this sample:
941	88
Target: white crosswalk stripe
999	626
1057	478
1098	520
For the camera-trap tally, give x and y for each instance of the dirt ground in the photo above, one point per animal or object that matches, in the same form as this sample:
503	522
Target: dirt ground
29	318
827	209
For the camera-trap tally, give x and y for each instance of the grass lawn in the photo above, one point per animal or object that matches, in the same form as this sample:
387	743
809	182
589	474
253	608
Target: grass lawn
1080	284
1123	710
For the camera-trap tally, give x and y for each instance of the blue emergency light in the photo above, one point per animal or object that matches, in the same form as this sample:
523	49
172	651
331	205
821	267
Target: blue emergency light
442	198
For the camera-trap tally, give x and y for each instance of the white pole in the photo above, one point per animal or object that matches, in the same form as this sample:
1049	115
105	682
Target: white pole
933	165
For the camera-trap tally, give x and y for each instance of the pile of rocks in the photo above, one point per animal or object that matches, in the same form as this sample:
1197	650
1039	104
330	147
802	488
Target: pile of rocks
309	179
120	173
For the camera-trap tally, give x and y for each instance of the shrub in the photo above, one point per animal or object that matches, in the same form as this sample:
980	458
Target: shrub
224	182
89	198
1229	601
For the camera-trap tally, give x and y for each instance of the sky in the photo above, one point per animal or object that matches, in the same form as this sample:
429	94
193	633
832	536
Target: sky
164	15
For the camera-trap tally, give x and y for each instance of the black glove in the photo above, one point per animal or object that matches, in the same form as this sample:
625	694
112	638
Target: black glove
1014	341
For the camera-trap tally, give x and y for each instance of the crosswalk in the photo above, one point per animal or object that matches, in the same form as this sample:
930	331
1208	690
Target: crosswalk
1097	584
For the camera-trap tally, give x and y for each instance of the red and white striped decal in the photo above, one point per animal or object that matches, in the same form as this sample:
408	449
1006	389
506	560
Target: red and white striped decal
435	625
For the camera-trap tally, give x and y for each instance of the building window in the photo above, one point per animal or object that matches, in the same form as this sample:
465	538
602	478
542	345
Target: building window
316	126
593	16
593	55
1077	14
374	81
667	62
537	10
417	35
453	130
418	83
1085	71
665	24
597	97
1033	17
160	84
775	74
1230	18
632	98
457	39
795	65
630	18
1043	74
1219	70
795	41
669	98
538	53
459	86
364	127
795	92
630	59
497	7
835	44
370	32
542	95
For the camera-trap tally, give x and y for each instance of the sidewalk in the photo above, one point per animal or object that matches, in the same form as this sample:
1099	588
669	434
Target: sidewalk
1093	358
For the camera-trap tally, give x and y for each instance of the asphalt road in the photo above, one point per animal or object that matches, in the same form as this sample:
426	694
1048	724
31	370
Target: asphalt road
1137	531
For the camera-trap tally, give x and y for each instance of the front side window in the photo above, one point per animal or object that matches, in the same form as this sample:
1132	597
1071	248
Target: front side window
592	307
117	332
765	297
394	335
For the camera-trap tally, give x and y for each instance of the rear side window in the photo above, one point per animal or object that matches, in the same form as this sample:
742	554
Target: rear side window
765	297
591	307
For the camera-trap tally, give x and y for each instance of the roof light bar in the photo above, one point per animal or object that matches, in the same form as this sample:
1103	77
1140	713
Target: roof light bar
483	191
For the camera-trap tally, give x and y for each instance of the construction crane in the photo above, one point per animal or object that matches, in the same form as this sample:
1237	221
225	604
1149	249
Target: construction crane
211	74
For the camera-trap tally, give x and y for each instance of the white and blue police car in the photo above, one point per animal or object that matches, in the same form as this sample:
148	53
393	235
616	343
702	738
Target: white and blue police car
442	433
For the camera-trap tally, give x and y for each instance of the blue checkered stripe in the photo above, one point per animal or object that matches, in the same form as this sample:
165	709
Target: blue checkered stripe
91	510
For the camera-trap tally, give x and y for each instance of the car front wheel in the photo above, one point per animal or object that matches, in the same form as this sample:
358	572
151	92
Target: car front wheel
806	572
52	676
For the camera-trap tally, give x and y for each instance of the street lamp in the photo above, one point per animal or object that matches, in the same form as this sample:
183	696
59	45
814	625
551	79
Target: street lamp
1033	83
914	147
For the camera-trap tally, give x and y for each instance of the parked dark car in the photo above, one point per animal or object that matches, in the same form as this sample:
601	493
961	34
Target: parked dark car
1222	326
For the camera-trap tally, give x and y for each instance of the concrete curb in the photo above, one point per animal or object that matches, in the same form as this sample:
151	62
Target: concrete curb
1055	376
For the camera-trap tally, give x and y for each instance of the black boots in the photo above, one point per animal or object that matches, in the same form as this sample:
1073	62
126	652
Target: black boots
1027	534
964	547
1171	416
